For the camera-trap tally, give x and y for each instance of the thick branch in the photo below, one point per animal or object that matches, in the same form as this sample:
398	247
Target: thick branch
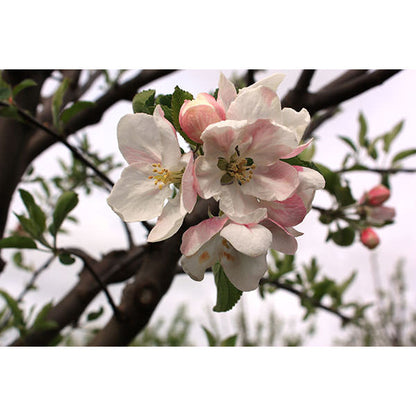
115	267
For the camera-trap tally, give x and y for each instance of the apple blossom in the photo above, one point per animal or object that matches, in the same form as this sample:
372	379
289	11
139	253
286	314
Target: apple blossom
157	170
376	196
241	165
369	238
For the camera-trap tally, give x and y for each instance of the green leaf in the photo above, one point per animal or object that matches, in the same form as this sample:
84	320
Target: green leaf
389	137
362	139
344	236
11	112
212	340
57	101
230	341
65	204
75	108
41	322
5	92
143	102
92	316
402	155
178	98
17	241
29	226
66	259
35	212
297	161
17	313
227	294
349	142
26	83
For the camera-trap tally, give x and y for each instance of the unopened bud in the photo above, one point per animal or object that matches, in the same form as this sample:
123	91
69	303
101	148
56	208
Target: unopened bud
196	115
369	238
377	195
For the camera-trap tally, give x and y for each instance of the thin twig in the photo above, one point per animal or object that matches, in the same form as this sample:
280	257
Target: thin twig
377	170
345	319
85	261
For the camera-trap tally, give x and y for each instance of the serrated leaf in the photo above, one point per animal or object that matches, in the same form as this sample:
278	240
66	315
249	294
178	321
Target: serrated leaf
178	98
57	101
143	102
26	83
35	212
227	294
349	142
92	316
402	155
17	241
65	204
74	109
344	236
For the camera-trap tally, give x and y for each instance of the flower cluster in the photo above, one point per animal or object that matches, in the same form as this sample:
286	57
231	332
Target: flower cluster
371	208
242	141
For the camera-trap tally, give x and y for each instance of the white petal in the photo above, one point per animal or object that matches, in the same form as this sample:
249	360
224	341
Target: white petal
204	258
135	197
226	92
254	104
137	136
244	272
272	82
297	121
169	221
283	241
253	240
309	181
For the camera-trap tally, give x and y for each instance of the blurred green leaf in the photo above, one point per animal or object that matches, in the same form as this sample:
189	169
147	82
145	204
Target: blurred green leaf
66	259
57	101
389	137
74	109
35	212
17	313
212	340
230	341
343	236
17	241
65	204
362	134
349	142
26	83
92	316
227	294
402	155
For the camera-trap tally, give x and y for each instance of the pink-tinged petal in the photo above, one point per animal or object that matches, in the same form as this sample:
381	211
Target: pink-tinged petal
137	139
240	208
379	215
297	150
135	197
254	104
208	178
275	182
220	139
196	115
282	241
265	142
226	92
171	152
244	272
309	181
297	121
195	237
188	184
293	232
204	258
169	221
272	82
252	240
289	212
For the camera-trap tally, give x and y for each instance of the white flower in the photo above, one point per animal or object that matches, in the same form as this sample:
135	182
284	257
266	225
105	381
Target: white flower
156	170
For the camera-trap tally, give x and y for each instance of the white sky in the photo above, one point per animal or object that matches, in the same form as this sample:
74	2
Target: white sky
99	229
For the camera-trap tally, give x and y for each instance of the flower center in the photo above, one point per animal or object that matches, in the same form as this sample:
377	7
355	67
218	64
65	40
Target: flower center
238	168
164	176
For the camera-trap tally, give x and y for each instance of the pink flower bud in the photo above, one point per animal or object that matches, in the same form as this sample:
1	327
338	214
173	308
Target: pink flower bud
196	115
377	195
369	238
